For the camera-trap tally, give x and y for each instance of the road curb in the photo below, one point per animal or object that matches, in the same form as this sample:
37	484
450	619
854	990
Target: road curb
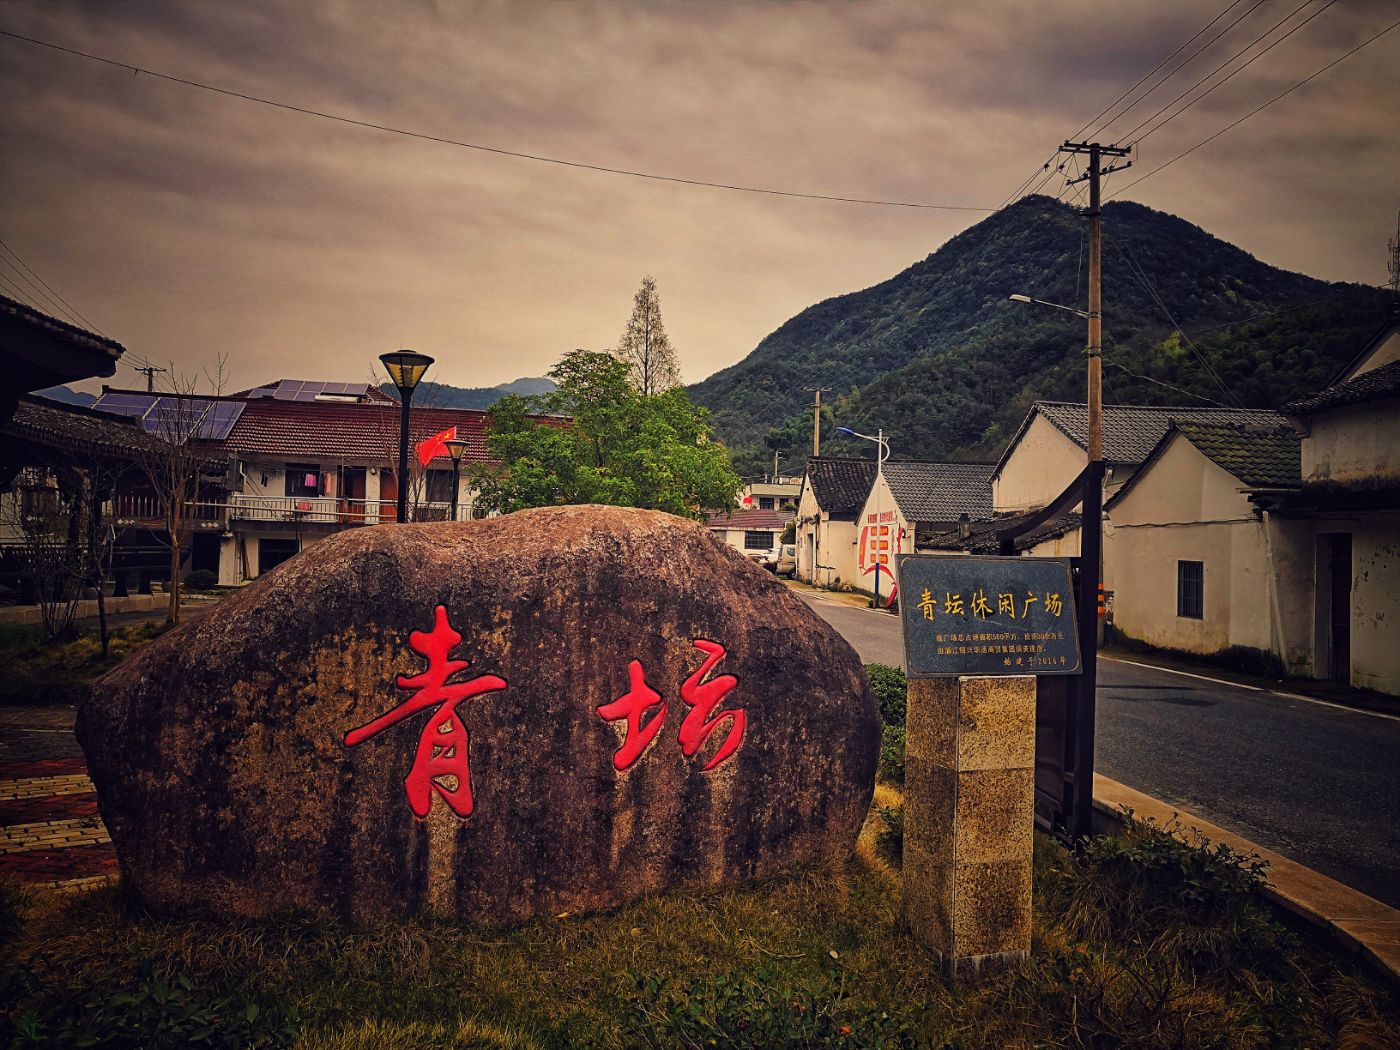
1358	922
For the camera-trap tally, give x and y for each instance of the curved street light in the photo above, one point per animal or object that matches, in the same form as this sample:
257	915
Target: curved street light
1018	298
405	368
881	455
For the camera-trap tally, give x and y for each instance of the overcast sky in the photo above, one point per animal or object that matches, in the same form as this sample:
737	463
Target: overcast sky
187	224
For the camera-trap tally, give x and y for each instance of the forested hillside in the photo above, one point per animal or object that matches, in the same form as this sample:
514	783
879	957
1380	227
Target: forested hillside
444	395
940	358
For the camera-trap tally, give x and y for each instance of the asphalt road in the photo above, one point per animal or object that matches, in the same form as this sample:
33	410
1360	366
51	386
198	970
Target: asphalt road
1314	782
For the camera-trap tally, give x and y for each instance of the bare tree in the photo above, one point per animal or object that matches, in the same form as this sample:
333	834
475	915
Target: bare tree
176	462
45	515
645	346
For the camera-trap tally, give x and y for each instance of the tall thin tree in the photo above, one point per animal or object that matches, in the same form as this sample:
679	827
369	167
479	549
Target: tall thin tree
644	345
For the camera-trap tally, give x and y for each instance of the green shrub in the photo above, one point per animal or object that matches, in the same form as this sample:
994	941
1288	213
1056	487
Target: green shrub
201	580
891	692
891	767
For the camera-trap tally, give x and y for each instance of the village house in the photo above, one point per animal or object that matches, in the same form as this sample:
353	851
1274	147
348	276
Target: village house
910	502
833	492
753	533
1272	539
779	493
299	460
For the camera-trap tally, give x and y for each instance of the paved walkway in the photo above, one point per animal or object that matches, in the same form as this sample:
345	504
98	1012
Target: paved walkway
50	833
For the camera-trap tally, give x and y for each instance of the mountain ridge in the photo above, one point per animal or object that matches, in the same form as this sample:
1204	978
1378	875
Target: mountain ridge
938	356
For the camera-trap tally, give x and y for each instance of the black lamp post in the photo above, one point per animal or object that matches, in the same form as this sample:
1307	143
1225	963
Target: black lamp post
455	448
405	368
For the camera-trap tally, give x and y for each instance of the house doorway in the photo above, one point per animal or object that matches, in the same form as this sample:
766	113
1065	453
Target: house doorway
352	494
388	496
273	552
1339	606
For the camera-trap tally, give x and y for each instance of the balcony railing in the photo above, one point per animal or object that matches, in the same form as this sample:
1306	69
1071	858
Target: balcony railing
294	510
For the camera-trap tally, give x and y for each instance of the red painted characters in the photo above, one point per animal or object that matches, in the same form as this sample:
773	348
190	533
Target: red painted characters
701	696
443	743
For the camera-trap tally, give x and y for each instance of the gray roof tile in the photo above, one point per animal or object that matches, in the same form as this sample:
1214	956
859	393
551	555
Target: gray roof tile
940	491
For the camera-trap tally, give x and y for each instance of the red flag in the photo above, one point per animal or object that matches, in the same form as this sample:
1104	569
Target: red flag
430	448
748	500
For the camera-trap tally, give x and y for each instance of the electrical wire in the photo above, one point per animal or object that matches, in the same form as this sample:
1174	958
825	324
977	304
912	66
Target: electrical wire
1136	268
1180	66
74	312
1180	390
38	298
480	147
1020	190
1227	78
1260	108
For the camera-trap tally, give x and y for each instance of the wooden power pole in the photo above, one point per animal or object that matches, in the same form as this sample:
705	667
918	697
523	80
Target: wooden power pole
1091	510
817	419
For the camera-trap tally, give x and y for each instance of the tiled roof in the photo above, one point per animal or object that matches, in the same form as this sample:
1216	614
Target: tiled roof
348	433
840	485
1374	385
62	329
1131	432
1259	458
940	491
74	429
750	519
983	538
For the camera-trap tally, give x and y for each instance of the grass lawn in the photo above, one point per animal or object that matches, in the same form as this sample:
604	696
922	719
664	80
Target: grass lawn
34	670
1139	941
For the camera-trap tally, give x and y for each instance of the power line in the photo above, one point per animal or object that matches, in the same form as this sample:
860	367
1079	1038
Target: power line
1260	108
1020	190
1181	65
1136	268
540	158
1222	65
38	298
65	302
1169	386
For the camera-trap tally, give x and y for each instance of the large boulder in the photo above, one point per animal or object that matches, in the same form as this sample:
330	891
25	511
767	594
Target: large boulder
644	710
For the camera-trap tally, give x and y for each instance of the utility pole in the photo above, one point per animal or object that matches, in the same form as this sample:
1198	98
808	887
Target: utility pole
1091	520
1394	264
817	419
150	373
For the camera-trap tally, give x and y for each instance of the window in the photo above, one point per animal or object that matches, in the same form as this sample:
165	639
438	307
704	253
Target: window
758	541
439	486
303	479
1190	589
765	502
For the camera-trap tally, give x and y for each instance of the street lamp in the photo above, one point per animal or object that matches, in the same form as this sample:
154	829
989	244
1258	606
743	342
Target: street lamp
455	448
405	368
1016	298
882	454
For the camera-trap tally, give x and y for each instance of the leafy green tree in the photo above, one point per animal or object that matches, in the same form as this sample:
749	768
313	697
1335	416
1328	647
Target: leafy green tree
619	447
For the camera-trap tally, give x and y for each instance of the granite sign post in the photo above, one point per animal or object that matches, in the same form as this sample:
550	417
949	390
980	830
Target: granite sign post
976	632
554	711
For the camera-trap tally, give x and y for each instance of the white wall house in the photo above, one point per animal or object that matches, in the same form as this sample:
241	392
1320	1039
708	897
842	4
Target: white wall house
1284	542
750	532
833	492
909	502
1192	547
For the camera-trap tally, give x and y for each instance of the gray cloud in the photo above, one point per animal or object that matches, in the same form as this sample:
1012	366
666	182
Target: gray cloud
190	225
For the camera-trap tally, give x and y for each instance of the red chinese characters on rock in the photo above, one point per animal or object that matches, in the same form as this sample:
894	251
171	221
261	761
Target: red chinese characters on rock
442	746
701	696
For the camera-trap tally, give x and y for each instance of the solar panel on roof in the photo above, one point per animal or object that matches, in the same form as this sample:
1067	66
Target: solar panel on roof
215	426
125	404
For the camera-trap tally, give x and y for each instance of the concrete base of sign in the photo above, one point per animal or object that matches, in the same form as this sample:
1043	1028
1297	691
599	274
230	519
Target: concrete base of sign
968	819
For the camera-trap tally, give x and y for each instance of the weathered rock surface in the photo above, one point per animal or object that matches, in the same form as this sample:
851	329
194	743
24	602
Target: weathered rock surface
221	759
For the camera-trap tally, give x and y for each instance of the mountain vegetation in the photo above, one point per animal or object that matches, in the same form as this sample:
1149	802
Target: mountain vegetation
444	395
940	359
